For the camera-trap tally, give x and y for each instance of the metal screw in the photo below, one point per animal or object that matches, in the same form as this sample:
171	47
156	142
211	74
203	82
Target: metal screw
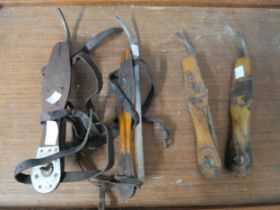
239	159
208	162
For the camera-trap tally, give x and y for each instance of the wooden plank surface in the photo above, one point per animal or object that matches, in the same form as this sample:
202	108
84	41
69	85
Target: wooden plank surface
196	3
263	207
27	36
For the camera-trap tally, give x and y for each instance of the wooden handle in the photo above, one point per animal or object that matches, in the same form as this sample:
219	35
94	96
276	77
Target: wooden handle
126	54
125	132
209	162
122	133
241	97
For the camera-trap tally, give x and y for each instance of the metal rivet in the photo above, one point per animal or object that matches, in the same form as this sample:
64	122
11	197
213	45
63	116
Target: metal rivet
239	159
50	186
36	176
56	175
208	162
39	186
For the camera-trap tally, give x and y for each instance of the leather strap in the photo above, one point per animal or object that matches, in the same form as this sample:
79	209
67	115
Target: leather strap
73	175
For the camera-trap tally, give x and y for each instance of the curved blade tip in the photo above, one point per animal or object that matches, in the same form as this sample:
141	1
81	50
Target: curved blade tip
243	45
65	26
187	42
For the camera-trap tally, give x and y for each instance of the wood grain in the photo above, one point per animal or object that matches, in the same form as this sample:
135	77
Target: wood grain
27	37
275	207
239	151
207	152
194	3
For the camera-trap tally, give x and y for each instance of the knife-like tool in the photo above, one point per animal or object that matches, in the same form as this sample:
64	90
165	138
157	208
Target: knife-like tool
208	159
240	151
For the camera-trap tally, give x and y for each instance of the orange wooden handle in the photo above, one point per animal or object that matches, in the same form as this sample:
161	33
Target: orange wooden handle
122	132
125	132
241	160
208	159
209	162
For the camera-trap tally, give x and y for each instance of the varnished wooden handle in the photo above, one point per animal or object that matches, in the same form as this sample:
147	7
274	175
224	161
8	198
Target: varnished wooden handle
122	133
209	163
125	132
241	97
208	159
